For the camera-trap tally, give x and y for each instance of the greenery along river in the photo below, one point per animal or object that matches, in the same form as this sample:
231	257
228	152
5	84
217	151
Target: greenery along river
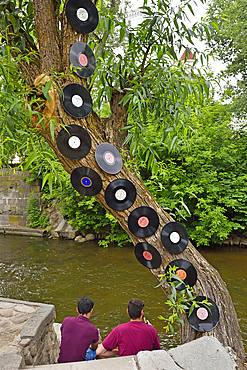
61	271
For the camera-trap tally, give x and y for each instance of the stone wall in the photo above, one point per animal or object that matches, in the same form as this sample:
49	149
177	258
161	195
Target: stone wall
14	194
27	334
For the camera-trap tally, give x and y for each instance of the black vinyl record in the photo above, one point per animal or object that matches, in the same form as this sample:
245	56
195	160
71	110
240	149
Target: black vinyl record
204	318
108	158
76	100
74	142
174	237
82	58
143	221
147	255
86	181
186	272
120	194
82	15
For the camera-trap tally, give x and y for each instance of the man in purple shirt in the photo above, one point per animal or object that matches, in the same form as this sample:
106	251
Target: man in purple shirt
131	337
78	333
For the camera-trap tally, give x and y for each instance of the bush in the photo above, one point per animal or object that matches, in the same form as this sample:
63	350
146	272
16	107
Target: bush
35	217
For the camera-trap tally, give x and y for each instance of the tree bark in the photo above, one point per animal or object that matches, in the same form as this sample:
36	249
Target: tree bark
54	56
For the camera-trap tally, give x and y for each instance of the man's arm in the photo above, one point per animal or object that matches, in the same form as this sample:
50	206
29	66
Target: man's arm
101	351
94	346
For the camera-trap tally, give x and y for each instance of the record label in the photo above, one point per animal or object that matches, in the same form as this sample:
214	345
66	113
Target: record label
174	237
74	142
82	15
120	194
181	274
82	59
143	221
202	313
86	181
185	271
147	255
108	158
205	317
76	100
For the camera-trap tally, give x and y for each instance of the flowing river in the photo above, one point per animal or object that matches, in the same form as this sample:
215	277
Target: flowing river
61	271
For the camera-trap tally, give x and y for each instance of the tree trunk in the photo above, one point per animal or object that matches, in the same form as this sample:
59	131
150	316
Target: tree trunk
54	57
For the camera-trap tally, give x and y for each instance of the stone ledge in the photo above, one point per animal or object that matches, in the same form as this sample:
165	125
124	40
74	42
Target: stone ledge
37	322
27	231
11	362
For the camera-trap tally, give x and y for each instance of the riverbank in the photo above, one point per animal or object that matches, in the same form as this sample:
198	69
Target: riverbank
30	339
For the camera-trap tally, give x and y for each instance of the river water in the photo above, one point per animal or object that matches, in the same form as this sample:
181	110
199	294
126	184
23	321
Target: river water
61	271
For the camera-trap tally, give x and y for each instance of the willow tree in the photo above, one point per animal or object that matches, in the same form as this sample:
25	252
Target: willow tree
144	82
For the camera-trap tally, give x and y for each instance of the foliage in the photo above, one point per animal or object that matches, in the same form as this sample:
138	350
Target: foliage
179	301
205	185
35	217
228	45
86	214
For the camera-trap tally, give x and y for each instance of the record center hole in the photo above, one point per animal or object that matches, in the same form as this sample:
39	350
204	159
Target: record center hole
109	158
74	142
120	194
147	255
181	274
77	101
83	60
86	181
82	14
202	313
174	237
143	221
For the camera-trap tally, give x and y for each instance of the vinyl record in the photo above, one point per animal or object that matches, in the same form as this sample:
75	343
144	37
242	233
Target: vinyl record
108	158
86	181
76	101
143	221
204	318
82	58
74	142
186	272
82	15
120	194
147	255
174	237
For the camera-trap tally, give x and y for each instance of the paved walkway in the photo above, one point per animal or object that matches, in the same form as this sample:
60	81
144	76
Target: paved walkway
205	353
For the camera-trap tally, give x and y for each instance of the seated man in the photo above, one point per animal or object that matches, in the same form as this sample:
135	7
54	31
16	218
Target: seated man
78	333
131	337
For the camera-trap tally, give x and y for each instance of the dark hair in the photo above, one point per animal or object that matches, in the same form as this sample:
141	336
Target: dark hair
134	308
85	305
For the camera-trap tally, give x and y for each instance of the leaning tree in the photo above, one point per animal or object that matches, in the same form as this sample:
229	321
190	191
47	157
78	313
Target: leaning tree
144	82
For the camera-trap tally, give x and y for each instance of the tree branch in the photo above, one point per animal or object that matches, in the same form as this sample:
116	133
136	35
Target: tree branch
144	59
47	32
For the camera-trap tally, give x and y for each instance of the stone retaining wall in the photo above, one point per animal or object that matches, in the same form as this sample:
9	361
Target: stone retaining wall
14	195
27	334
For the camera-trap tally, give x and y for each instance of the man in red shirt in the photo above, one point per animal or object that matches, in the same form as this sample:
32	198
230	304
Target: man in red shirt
131	337
78	333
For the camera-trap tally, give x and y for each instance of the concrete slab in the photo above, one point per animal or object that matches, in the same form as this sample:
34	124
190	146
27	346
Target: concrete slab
11	361
205	353
156	360
116	363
